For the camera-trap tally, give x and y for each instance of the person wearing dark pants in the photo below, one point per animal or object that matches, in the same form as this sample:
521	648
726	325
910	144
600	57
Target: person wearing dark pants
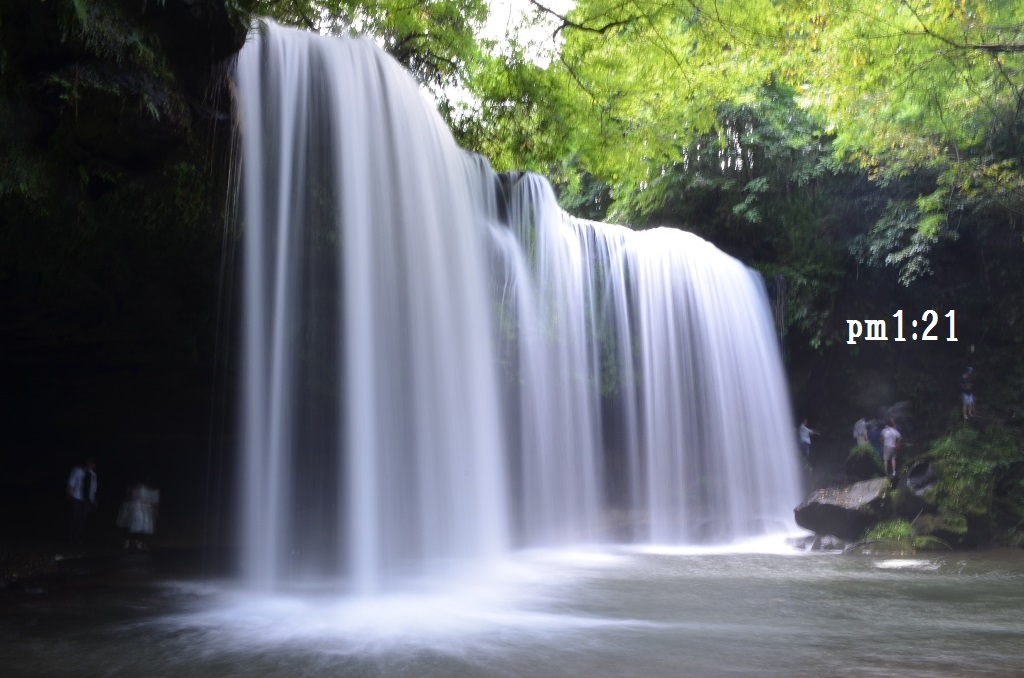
81	493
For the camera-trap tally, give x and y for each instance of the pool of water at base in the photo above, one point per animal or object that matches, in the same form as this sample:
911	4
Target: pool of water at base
602	612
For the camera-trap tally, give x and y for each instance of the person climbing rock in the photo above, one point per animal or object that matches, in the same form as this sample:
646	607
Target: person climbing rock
891	439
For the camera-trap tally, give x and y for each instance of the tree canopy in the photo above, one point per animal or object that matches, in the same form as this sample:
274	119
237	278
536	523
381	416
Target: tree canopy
897	87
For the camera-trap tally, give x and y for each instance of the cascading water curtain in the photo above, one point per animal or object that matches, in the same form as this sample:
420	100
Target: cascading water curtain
658	353
440	365
372	443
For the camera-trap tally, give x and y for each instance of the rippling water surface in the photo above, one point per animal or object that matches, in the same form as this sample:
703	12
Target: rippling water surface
600	613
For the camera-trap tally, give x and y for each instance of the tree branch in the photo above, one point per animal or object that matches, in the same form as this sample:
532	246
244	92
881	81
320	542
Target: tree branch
990	47
568	23
300	12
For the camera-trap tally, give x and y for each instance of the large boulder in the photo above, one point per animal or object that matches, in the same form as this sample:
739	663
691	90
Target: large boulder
845	512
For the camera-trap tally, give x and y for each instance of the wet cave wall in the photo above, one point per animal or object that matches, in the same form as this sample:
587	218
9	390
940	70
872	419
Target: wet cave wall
115	135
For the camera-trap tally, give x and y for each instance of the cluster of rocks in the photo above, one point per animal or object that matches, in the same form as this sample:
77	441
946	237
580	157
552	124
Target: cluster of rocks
840	516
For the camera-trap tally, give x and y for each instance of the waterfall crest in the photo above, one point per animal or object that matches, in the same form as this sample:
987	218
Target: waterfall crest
440	366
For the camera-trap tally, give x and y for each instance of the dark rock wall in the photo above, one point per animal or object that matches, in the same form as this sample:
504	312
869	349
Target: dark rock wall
115	136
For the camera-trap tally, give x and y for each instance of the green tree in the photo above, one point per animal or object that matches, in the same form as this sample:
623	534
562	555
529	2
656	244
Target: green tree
932	89
902	87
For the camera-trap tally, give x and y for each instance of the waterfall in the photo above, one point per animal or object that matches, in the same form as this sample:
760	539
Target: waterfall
440	366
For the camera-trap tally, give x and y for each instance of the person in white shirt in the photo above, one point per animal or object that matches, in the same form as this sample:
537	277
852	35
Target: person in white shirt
81	491
805	438
891	438
860	431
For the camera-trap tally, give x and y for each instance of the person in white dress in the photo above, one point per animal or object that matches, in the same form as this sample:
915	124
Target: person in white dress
138	515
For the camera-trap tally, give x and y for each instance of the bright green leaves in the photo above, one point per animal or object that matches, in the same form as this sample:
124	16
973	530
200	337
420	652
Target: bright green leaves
924	97
655	79
932	88
971	466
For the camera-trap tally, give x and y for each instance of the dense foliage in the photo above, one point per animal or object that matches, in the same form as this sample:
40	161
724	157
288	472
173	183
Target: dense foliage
981	484
902	86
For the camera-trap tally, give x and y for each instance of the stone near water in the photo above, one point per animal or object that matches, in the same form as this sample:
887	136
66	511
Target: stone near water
845	512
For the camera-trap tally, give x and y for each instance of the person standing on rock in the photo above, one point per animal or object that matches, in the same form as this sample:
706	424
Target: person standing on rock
805	439
967	393
891	438
860	431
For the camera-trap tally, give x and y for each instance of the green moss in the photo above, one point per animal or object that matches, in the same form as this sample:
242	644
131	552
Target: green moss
898	535
972	466
967	461
891	530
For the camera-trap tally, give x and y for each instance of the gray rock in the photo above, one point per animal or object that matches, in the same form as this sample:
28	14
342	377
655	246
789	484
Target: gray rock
921	477
828	542
845	512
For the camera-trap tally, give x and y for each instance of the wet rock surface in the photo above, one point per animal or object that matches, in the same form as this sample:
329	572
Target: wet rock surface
845	512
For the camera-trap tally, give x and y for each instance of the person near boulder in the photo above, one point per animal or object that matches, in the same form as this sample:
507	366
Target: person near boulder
891	438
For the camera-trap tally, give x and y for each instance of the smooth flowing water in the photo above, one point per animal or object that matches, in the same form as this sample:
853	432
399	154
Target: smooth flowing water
562	614
441	367
371	433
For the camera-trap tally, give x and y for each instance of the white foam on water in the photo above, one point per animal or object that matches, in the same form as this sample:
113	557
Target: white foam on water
520	598
907	564
773	544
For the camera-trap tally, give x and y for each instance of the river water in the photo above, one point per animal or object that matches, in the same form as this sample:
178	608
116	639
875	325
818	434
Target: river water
585	613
